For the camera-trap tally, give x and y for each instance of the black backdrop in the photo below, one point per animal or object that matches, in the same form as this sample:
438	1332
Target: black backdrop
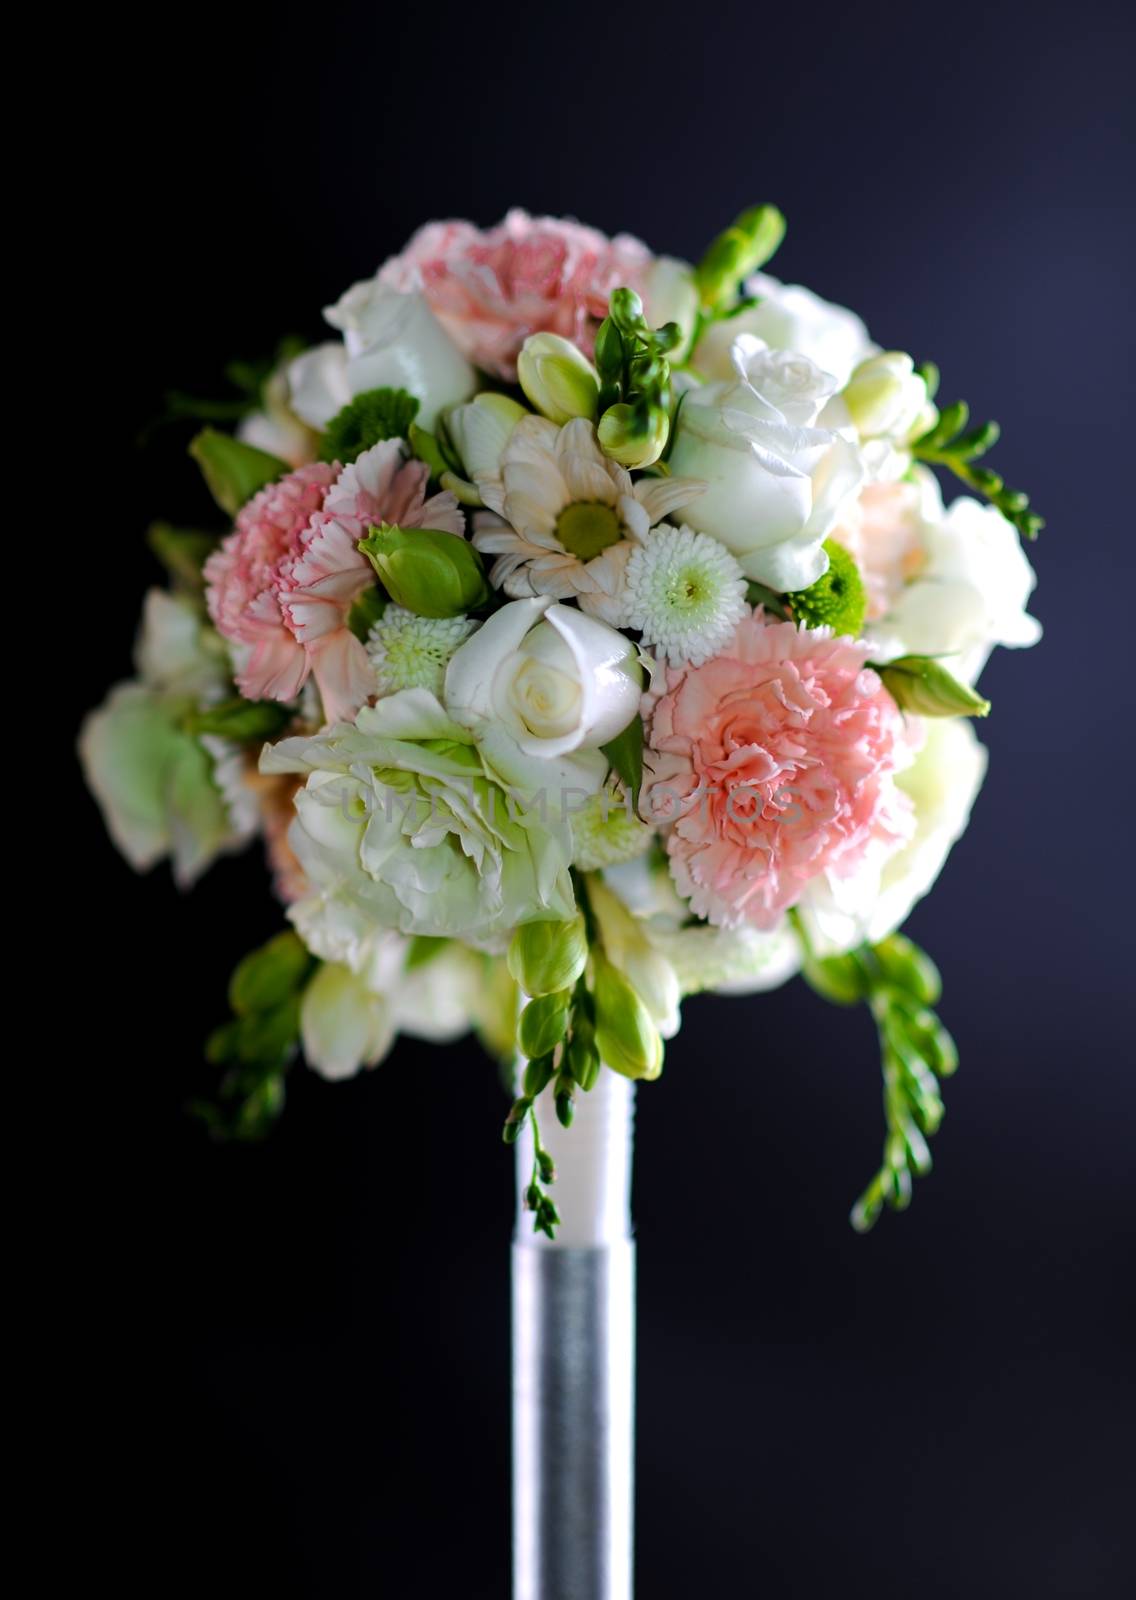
290	1362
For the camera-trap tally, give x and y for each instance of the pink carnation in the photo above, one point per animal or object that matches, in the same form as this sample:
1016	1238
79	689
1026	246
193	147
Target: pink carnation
769	764
284	581
492	289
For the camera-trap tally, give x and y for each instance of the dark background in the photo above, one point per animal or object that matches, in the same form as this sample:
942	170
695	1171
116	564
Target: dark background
290	1363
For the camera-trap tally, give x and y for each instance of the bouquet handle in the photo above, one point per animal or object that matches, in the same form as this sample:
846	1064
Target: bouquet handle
573	1360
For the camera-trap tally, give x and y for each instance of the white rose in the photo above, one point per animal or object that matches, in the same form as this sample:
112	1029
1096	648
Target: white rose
390	340
789	317
943	781
777	481
970	594
551	681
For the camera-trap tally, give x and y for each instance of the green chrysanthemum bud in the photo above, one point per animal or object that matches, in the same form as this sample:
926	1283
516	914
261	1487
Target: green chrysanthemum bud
837	599
558	378
547	956
626	1038
544	1023
429	571
633	435
367	420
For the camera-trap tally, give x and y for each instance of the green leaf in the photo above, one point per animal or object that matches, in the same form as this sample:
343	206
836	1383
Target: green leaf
922	685
234	471
625	752
268	976
240	720
182	551
367	420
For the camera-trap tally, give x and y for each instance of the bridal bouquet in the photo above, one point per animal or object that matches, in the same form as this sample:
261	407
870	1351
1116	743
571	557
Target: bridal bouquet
591	632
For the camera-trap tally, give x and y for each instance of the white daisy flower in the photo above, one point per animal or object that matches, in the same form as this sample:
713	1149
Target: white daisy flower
685	593
412	652
571	516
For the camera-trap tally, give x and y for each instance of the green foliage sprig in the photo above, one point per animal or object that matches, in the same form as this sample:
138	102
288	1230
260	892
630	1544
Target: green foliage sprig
900	984
259	1042
247	378
953	444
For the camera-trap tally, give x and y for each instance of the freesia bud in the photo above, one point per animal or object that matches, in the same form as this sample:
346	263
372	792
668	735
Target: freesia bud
909	968
426	570
634	436
885	396
626	1038
544	1023
738	251
558	378
546	956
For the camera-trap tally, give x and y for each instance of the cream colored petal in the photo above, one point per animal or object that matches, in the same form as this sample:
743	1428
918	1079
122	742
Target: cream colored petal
533	440
578	438
634	518
660	496
588	480
606	577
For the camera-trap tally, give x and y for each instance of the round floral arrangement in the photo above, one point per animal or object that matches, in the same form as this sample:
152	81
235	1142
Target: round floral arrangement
590	631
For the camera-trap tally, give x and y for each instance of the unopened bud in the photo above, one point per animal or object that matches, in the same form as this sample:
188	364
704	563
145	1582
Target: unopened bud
635	436
626	1038
907	967
544	1023
565	1100
546	956
558	378
885	396
738	251
426	570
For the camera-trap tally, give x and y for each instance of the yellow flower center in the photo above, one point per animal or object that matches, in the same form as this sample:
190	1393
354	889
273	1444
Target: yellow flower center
586	528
